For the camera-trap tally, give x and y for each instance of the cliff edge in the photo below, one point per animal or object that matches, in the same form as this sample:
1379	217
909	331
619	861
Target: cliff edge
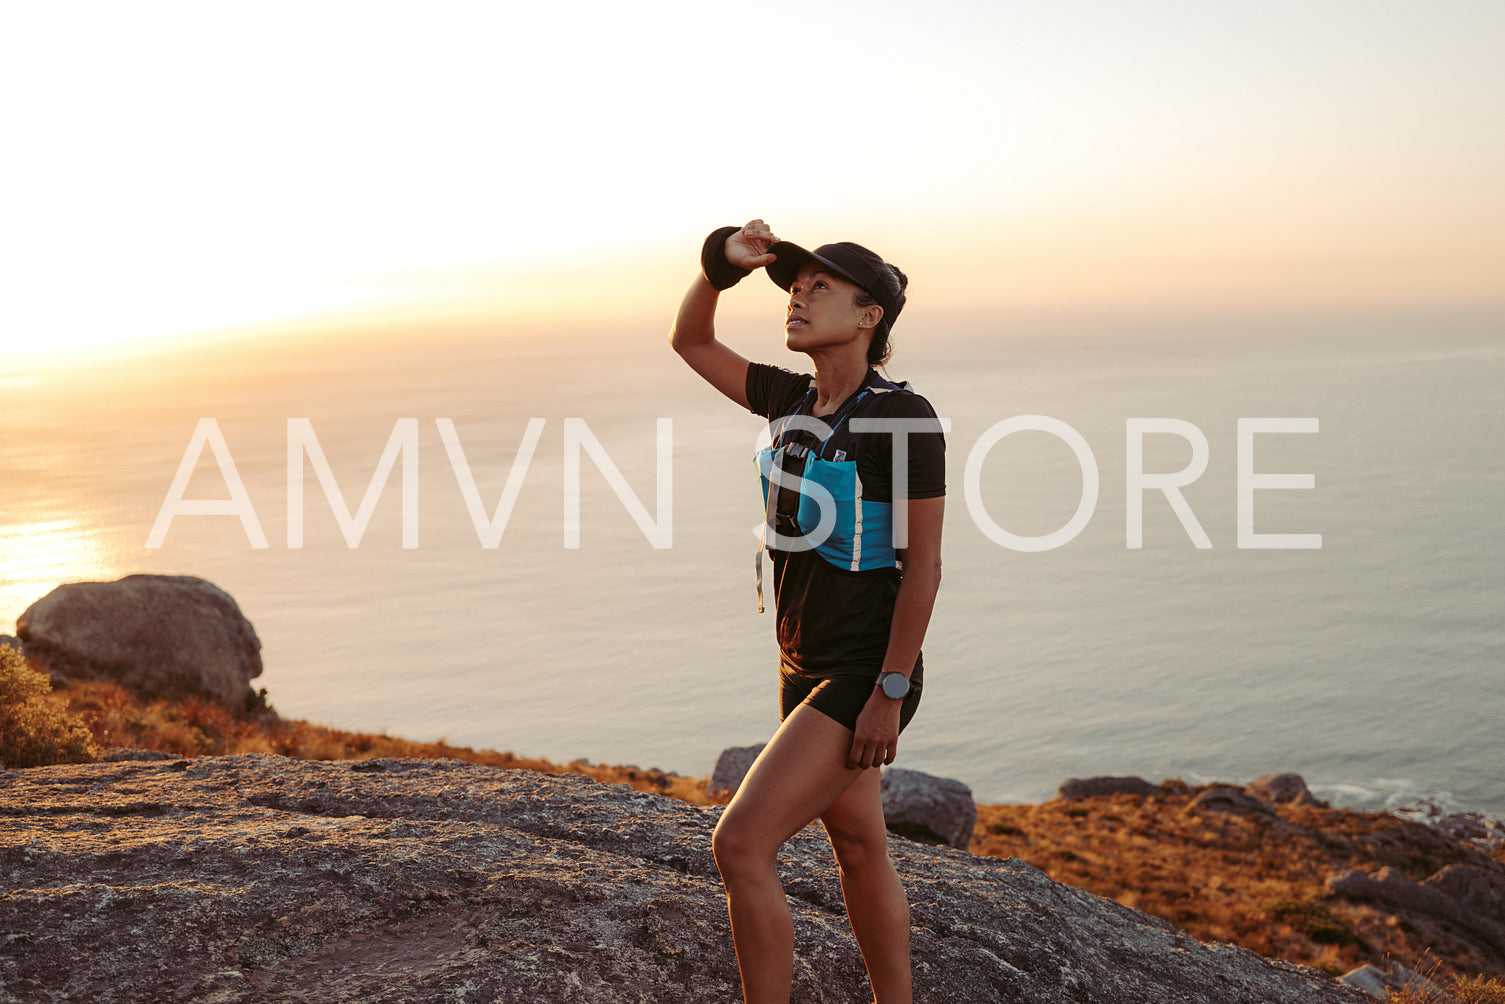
260	878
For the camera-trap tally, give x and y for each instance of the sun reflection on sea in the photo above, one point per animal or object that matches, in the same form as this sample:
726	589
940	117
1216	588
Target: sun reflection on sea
37	556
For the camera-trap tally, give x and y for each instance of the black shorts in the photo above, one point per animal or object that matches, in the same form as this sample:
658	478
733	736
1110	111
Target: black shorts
841	696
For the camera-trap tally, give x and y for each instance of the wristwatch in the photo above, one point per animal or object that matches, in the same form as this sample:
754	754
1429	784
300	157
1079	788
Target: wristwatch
895	686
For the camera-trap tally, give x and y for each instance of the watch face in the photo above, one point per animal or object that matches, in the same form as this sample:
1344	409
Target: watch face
895	686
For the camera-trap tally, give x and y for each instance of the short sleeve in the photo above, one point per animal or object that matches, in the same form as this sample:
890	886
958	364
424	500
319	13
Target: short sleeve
927	452
773	391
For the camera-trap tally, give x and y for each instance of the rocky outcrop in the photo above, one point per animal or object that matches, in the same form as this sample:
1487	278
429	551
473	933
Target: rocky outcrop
731	767
1091	787
161	635
1479	891
928	808
1279	789
1486	832
256	878
1462	895
1475	827
1220	799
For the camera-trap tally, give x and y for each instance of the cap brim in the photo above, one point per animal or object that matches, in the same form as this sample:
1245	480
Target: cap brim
791	258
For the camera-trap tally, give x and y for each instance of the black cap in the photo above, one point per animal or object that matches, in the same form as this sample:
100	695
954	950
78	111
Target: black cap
852	262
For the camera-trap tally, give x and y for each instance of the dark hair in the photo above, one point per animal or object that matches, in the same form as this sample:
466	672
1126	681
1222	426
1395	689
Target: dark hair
878	349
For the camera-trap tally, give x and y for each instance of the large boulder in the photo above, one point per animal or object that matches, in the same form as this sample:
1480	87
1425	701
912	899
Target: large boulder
161	635
928	808
257	878
731	767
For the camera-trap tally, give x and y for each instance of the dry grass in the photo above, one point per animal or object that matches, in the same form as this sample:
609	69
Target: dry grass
1477	990
198	727
1448	989
1255	881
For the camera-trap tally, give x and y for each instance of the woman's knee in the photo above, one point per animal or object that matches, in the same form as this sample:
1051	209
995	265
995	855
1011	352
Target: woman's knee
859	849
738	848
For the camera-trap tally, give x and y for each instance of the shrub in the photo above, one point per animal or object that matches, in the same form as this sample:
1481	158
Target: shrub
1464	990
33	731
1311	918
1478	990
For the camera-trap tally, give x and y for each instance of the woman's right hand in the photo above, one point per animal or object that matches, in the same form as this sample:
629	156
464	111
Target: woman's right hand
748	247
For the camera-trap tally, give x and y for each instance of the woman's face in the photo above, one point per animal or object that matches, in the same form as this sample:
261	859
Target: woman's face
821	312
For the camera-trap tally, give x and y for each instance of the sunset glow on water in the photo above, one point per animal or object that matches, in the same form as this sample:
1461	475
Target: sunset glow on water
35	557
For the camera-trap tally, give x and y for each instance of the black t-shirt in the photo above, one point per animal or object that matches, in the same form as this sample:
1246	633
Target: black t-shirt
834	620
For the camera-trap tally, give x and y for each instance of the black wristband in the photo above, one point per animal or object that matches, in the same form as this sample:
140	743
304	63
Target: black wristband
718	271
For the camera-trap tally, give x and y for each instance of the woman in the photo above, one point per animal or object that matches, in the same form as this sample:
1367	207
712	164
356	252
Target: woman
856	567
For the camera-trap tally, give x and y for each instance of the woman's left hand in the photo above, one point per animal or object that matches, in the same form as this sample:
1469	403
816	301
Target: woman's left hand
876	738
748	247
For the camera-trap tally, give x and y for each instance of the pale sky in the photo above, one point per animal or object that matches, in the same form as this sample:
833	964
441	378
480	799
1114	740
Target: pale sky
174	167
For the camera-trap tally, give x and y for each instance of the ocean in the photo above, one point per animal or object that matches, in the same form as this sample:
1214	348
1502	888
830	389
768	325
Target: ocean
1373	665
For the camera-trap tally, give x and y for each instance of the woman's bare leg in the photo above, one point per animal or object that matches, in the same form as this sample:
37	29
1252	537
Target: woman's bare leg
801	772
876	904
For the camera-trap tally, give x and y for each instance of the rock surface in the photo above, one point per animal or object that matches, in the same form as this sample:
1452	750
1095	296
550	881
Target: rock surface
257	878
731	767
171	635
1090	787
928	808
117	753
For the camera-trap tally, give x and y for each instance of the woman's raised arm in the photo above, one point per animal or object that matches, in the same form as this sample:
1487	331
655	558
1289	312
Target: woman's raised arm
693	335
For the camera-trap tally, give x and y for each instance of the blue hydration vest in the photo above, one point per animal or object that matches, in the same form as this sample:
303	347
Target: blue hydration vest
833	517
